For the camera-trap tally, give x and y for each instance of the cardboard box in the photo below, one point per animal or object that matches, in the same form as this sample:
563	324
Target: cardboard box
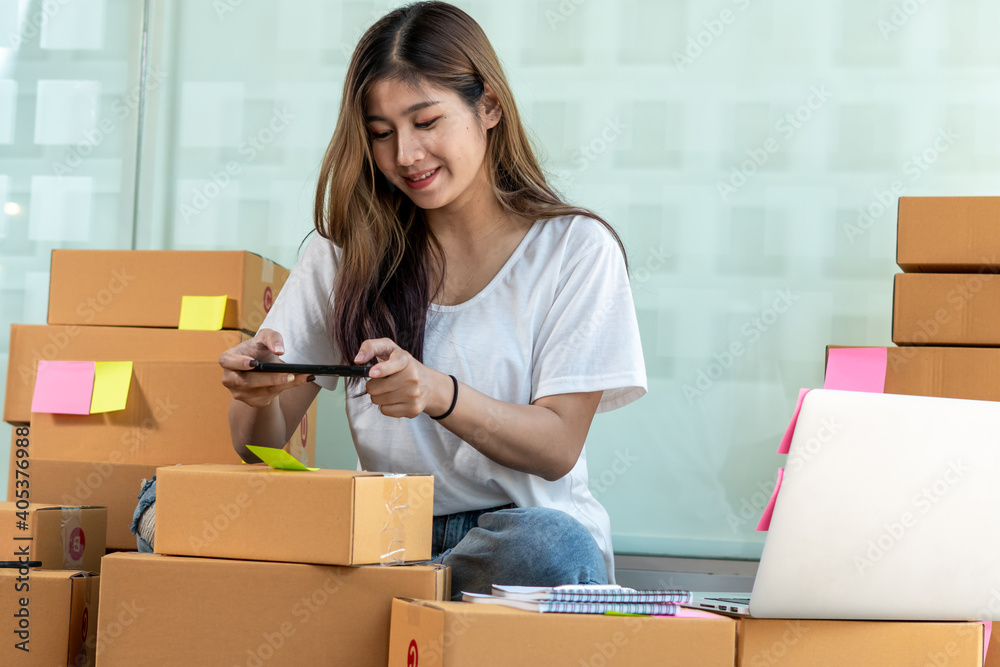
946	309
332	517
114	484
948	234
61	537
176	412
208	611
945	372
143	288
61	617
29	344
447	634
812	643
111	485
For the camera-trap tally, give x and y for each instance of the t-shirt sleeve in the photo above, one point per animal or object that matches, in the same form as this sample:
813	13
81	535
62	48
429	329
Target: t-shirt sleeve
302	309
589	339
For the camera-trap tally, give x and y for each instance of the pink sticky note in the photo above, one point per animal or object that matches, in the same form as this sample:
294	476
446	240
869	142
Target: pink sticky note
63	387
856	369
765	520
987	631
786	441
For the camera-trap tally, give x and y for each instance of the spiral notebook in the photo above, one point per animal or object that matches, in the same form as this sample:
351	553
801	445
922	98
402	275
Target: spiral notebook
584	599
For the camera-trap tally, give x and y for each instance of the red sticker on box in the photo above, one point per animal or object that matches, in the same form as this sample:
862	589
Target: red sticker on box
77	542
268	299
411	654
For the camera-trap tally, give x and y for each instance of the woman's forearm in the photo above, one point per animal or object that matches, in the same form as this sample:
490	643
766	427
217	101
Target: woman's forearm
528	438
263	426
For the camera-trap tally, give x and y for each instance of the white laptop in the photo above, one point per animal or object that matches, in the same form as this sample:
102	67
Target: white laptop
889	509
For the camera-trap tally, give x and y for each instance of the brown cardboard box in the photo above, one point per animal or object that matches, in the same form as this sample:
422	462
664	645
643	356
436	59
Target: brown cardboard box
61	617
208	611
332	517
176	412
946	309
29	344
143	288
112	484
945	372
61	537
814	643
948	234
447	634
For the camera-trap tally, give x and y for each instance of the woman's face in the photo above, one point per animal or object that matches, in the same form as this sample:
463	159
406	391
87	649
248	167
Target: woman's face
427	142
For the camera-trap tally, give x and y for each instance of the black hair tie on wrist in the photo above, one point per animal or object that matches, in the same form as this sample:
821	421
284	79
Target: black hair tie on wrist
454	400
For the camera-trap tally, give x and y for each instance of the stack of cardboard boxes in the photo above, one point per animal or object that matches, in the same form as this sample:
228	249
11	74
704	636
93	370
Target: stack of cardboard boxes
256	566
49	583
126	306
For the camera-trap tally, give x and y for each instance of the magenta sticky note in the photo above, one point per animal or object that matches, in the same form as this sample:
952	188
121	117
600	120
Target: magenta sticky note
856	369
765	519
987	631
786	441
63	387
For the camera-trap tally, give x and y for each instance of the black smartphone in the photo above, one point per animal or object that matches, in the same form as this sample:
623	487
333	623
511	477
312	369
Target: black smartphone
313	369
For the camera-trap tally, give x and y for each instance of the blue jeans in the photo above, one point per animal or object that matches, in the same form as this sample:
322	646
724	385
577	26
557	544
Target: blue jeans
521	546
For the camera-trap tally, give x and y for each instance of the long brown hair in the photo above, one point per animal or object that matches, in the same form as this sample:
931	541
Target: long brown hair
383	281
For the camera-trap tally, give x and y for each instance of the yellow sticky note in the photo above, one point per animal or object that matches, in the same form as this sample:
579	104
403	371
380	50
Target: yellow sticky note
278	459
202	313
111	382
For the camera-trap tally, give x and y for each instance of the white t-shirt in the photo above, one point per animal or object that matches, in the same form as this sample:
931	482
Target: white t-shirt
557	318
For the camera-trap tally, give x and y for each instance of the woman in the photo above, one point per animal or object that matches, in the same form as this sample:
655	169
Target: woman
498	318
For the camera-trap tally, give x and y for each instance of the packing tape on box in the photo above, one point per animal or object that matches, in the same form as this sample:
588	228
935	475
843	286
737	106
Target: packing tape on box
73	539
267	272
393	533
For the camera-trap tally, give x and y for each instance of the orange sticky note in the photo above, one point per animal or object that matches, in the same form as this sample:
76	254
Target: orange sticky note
202	313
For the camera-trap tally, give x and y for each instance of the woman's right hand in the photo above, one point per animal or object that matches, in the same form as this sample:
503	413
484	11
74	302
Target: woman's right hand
257	389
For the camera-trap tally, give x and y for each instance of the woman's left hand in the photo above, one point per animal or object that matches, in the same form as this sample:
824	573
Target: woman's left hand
399	384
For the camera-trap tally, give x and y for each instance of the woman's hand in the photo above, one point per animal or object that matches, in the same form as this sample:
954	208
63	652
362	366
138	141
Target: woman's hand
257	389
402	386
